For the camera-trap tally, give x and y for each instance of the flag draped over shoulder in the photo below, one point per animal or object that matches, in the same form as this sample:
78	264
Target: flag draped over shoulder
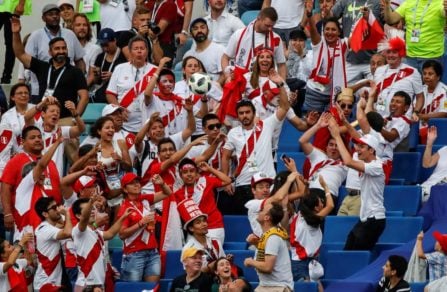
232	93
366	34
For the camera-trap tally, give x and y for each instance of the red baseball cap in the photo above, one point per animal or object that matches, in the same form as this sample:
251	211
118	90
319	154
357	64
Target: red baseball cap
128	178
83	182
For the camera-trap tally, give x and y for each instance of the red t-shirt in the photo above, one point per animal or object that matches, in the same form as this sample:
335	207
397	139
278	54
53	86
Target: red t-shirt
132	243
168	12
12	175
168	175
203	195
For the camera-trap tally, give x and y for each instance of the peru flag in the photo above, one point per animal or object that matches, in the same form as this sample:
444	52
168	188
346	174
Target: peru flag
366	34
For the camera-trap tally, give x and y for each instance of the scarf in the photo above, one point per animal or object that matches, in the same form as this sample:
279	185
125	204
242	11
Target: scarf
335	63
275	230
232	93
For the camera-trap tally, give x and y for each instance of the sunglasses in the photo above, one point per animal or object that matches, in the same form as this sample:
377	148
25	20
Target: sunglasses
214	126
54	207
344	105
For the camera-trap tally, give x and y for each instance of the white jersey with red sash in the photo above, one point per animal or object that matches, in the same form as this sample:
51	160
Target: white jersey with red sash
128	84
14	280
305	240
402	125
48	249
333	171
404	78
90	256
327	61
253	149
8	144
435	101
49	138
215	159
213	249
246	42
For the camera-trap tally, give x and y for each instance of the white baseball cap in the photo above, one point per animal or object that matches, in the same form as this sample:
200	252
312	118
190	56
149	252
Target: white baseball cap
110	109
66	2
369	140
258	177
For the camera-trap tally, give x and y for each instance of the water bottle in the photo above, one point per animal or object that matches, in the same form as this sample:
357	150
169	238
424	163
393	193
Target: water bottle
30	245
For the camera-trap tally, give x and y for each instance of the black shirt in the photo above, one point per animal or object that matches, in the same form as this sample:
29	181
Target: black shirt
104	65
71	80
124	38
384	286
202	283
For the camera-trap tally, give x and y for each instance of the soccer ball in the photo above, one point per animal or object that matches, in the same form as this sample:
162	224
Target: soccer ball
199	83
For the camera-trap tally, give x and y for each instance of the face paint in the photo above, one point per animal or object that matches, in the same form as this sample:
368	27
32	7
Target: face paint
166	84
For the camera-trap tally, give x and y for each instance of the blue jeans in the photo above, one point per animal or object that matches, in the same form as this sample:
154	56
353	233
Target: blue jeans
300	270
137	265
418	62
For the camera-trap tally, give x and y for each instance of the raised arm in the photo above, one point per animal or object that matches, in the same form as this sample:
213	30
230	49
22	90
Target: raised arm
16	251
329	201
43	162
429	159
115	228
217	173
153	82
17	45
165	189
191	121
75	131
419	247
391	17
284	104
315	37
66	231
177	156
304	140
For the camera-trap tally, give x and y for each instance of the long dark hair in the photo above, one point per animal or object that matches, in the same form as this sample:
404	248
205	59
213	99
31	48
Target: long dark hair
307	207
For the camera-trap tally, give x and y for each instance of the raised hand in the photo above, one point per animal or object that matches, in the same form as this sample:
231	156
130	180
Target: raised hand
157	179
432	134
15	24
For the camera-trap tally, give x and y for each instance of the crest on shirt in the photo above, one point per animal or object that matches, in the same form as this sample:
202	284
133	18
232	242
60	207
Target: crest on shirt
4	140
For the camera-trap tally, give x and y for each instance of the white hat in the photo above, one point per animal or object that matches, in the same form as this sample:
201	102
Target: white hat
65	2
369	140
258	177
110	109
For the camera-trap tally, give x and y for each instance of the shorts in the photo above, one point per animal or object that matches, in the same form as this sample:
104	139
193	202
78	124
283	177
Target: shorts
137	265
300	270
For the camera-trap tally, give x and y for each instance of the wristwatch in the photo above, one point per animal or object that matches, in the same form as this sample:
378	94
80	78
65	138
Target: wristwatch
281	84
185	32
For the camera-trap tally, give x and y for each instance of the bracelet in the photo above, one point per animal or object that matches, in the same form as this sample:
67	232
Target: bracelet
185	32
328	194
281	84
75	115
7	215
95	225
155	75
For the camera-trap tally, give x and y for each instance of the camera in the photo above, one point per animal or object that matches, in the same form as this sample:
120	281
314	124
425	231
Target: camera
153	27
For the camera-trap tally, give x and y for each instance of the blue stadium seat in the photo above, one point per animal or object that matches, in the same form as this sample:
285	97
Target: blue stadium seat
299	158
288	140
396	181
441	125
234	245
239	257
249	16
342	264
173	262
243	228
306	287
92	112
401	229
115	243
117	258
413	136
426	172
394	213
406	165
336	228
178	75
134	286
339	286
403	198
165	285
418	287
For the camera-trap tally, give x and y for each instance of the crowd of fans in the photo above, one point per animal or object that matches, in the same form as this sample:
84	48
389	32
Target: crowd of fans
161	165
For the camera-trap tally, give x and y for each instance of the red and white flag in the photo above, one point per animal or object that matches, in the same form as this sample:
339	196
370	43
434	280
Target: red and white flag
366	34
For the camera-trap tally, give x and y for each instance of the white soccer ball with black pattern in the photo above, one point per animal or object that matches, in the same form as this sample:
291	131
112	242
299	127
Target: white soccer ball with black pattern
199	83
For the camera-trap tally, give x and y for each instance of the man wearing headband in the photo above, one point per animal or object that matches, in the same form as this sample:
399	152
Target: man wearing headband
200	187
396	76
368	229
208	52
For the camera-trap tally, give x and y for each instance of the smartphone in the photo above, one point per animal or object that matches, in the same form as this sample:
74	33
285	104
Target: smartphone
285	158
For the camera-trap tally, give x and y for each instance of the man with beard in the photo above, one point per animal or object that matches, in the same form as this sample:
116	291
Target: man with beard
209	53
83	31
37	44
252	144
57	77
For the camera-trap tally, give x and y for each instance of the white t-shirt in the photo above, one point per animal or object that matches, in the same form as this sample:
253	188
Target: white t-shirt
260	39
440	171
353	177
260	158
371	192
253	207
282	269
84	243
15	120
49	138
92	50
221	29
290	13
123	80
411	84
48	248
333	171
401	125
115	17
211	58
4	281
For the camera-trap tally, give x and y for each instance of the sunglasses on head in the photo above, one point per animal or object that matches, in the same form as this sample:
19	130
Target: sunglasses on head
344	105
214	126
